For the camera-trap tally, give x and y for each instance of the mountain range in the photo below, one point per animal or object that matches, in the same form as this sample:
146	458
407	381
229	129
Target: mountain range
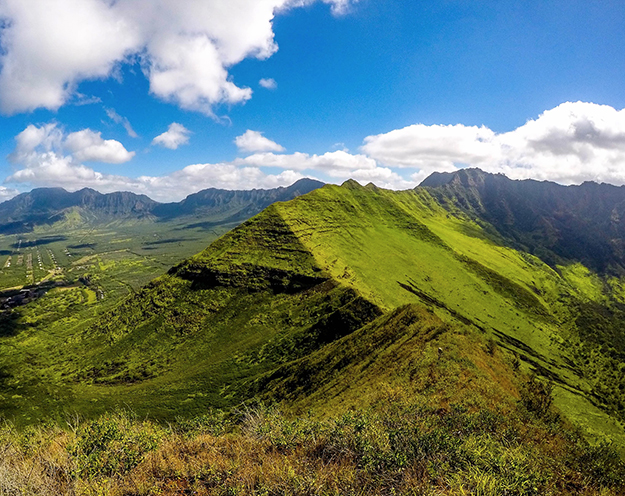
555	222
45	206
457	291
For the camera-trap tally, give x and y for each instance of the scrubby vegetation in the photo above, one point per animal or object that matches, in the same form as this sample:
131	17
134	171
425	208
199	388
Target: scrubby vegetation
396	446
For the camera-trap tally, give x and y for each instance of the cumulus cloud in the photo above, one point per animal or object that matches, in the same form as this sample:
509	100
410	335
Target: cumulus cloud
337	166
268	83
7	193
48	156
49	46
571	143
175	136
49	140
254	141
383	177
88	146
333	163
52	169
432	147
34	140
185	47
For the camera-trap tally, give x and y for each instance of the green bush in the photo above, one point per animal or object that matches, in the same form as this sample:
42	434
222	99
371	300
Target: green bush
536	397
112	445
215	422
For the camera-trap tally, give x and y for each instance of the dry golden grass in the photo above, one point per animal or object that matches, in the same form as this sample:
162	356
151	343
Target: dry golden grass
393	448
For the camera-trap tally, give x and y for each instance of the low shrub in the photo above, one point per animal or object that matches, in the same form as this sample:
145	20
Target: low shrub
112	445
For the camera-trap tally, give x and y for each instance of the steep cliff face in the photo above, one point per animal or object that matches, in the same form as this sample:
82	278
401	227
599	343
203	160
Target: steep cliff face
554	222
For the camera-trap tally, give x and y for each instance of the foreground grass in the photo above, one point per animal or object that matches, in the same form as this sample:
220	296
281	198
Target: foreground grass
396	446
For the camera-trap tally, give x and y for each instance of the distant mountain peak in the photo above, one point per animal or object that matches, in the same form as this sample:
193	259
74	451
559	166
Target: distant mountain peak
306	181
351	184
468	177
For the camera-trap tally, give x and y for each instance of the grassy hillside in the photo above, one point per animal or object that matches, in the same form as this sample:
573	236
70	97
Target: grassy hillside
412	405
401	248
183	342
316	302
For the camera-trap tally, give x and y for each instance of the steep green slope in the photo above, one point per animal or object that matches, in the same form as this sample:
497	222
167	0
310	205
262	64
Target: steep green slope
401	248
186	341
344	285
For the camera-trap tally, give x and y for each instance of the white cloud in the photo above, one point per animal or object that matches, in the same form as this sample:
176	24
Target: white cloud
7	193
52	169
35	140
186	47
340	7
571	143
432	147
333	163
383	177
80	100
340	146
254	141
175	136
335	166
268	83
50	46
88	146
118	119
41	151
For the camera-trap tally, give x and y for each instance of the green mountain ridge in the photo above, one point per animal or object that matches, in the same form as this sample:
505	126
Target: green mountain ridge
47	206
318	301
556	223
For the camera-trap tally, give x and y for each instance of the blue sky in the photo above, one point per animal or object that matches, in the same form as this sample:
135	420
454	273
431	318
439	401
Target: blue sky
258	93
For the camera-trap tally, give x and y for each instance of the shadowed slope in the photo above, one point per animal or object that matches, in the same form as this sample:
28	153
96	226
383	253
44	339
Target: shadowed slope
554	222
